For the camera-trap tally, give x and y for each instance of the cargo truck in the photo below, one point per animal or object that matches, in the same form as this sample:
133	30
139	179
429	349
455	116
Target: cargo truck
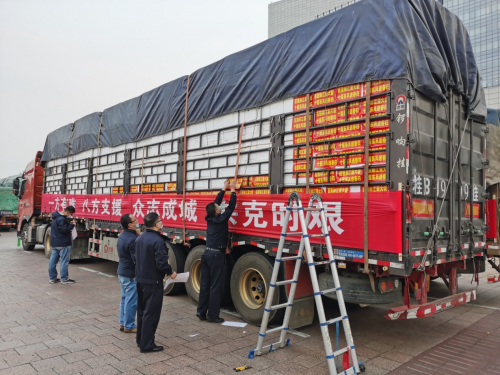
8	203
369	103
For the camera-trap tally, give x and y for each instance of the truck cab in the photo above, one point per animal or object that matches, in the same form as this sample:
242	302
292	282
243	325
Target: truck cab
28	189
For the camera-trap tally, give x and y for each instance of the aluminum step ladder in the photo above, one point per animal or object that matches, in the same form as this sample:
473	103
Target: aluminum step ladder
305	243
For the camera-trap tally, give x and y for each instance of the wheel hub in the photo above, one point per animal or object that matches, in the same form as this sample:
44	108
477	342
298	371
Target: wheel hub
253	288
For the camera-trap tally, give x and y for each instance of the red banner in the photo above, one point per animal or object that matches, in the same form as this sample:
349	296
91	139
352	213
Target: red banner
260	215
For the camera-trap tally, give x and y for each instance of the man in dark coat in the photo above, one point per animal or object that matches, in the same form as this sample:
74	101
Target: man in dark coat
60	243
213	260
150	269
126	273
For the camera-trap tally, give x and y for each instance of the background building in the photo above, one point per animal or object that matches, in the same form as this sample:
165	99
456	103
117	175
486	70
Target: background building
482	20
480	17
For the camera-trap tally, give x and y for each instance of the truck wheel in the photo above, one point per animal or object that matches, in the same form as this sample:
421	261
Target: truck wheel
193	266
177	259
249	286
24	239
46	244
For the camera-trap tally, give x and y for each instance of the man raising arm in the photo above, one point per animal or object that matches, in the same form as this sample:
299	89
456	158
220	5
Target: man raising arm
213	260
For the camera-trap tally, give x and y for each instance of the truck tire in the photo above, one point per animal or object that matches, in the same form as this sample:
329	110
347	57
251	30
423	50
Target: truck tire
193	266
177	259
249	286
46	244
356	288
24	238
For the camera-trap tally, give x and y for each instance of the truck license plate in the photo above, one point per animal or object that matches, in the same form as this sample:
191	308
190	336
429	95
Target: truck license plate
6	212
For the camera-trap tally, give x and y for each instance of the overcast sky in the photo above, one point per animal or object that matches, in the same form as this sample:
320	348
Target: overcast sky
61	60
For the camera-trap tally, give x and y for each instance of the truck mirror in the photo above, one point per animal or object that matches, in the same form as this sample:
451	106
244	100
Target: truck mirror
15	187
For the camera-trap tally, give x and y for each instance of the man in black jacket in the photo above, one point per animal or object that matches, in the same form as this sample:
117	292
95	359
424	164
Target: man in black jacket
150	268
213	260
60	242
126	273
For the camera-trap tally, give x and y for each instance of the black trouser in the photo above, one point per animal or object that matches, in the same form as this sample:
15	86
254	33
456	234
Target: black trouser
149	304
213	274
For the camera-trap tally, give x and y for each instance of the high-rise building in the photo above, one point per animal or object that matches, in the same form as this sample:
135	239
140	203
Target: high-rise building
286	14
482	20
480	17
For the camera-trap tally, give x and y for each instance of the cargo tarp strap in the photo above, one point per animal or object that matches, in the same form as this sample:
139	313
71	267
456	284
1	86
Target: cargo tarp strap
98	154
421	266
142	168
308	125
238	155
67	156
236	171
366	176
184	152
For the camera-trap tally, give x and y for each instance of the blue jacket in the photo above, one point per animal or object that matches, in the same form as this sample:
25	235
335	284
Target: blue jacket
151	258
60	231
217	226
126	253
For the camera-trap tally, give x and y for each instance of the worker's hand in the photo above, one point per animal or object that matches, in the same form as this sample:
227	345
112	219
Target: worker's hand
227	251
226	184
73	222
173	276
232	185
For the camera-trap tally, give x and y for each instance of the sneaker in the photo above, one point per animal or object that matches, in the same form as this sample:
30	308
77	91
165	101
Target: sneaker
54	281
67	281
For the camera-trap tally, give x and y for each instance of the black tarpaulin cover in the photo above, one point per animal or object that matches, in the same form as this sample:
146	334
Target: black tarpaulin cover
86	134
494	116
56	145
418	40
120	122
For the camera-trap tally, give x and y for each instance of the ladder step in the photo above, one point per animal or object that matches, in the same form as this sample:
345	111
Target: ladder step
327	291
285	259
286	282
276	329
317	235
342	351
293	234
331	321
349	371
276	307
322	262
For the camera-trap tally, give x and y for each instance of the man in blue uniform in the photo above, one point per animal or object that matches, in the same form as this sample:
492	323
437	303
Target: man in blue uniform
126	273
150	268
60	242
213	260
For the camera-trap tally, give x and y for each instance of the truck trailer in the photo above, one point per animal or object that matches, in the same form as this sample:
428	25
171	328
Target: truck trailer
378	107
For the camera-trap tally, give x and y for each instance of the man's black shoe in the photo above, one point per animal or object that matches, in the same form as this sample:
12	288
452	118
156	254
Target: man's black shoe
201	317
154	350
215	320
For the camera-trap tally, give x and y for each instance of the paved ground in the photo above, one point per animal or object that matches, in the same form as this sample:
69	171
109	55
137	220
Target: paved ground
69	329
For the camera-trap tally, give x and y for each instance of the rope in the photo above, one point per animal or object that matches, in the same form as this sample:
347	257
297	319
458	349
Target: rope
98	153
184	164
308	125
